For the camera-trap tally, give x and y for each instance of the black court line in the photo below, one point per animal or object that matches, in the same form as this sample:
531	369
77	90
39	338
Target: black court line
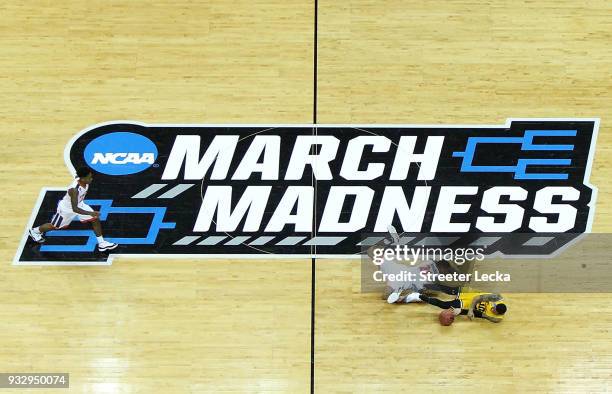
313	260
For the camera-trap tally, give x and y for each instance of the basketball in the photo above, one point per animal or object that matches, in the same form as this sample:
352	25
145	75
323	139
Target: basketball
446	317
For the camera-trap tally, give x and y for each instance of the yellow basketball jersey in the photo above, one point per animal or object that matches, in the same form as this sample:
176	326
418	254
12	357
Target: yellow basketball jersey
488	309
466	296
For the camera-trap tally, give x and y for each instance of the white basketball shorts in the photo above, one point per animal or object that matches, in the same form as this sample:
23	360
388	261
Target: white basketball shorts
63	217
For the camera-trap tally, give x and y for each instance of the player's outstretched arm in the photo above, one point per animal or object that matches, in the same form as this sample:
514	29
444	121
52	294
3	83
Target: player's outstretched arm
491	297
492	319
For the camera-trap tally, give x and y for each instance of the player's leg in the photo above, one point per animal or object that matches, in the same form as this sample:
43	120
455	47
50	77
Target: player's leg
38	233
413	297
46	227
103	245
421	286
440	303
450	290
394	234
59	220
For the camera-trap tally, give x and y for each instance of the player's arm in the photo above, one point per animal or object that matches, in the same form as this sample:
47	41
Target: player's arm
75	205
491	318
491	297
481	298
470	313
467	312
384	242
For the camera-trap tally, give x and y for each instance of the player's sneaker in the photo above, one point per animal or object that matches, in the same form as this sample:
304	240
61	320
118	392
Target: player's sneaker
393	297
394	234
36	236
106	246
412	297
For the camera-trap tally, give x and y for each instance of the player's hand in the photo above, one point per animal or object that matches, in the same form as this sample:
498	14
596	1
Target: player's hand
95	214
470	314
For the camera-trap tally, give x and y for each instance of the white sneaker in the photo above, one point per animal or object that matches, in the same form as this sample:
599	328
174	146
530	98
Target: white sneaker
105	246
394	234
412	297
393	297
36	236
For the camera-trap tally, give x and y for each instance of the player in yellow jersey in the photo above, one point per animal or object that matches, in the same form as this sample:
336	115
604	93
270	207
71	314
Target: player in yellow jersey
468	302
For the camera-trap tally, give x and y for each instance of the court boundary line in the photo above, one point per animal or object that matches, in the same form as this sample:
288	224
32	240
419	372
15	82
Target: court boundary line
313	248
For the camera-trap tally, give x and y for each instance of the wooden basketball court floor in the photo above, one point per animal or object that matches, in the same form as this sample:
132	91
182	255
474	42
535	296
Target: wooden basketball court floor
237	325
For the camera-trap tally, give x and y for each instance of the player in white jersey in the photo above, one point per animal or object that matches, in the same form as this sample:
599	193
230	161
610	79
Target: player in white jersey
390	266
73	206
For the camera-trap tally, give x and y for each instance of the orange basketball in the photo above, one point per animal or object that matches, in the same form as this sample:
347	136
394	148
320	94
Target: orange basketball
446	317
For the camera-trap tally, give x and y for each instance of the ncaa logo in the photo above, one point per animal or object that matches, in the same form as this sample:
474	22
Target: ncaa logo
120	153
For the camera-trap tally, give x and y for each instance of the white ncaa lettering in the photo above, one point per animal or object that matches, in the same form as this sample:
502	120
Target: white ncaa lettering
123	158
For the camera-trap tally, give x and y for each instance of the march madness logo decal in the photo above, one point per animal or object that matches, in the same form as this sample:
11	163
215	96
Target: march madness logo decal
292	190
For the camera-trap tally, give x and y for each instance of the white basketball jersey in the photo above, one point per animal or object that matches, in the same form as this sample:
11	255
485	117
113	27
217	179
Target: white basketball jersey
66	202
391	266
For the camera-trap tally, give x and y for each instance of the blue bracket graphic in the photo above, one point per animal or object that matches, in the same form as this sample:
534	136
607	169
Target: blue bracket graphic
527	144
106	208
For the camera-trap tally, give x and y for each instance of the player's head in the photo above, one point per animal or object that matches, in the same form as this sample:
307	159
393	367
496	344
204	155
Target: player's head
84	174
500	308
